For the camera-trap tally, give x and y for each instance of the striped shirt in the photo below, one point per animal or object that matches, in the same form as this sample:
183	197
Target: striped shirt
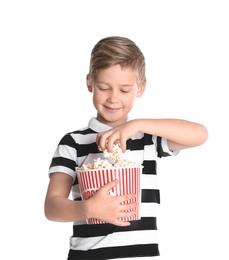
107	241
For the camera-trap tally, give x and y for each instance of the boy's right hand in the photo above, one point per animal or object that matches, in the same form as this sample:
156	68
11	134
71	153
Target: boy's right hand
109	208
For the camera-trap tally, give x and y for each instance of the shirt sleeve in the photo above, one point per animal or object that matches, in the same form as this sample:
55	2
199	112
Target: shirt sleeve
162	147
165	148
65	157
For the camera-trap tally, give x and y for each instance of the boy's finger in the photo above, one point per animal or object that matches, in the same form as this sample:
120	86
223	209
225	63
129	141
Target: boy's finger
100	142
120	223
123	144
124	198
107	187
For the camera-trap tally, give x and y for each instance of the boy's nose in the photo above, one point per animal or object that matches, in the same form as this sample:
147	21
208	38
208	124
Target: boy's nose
113	97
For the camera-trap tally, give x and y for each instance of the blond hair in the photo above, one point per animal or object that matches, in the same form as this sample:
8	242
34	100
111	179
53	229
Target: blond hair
115	50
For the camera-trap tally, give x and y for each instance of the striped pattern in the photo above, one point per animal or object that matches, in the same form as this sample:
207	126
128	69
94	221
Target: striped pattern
129	183
107	241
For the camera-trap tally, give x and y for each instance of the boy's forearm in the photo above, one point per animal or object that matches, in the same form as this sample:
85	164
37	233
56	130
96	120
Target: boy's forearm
64	210
176	130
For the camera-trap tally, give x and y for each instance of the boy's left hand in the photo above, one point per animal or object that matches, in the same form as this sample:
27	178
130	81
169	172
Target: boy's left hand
117	135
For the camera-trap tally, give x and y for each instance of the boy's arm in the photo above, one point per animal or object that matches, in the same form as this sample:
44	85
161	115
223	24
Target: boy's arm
102	205
57	205
180	133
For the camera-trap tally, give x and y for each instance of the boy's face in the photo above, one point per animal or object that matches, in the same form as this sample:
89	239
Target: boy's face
114	92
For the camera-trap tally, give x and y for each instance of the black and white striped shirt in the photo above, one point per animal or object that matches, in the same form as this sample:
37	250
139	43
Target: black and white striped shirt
106	241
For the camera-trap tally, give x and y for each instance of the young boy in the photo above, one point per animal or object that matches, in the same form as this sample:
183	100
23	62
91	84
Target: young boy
116	77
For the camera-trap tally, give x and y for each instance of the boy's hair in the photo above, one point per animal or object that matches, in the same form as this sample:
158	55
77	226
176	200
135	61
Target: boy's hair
115	50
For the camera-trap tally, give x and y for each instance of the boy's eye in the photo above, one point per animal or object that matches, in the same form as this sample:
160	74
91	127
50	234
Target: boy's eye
103	89
125	91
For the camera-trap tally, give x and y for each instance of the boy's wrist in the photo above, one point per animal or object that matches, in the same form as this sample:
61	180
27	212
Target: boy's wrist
86	209
137	124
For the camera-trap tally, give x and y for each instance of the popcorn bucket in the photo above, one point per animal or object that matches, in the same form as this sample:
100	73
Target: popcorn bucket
128	183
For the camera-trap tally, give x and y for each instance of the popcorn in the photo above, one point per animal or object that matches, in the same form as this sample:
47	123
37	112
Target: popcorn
125	163
116	155
92	176
98	163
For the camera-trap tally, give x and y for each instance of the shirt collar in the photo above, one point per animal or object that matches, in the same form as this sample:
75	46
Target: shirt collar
99	127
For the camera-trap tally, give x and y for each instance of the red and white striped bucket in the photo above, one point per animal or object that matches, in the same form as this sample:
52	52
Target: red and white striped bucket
128	183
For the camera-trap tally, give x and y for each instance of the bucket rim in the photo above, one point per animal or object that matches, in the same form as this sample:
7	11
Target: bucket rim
109	168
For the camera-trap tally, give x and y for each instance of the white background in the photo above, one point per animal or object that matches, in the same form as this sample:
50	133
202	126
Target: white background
44	57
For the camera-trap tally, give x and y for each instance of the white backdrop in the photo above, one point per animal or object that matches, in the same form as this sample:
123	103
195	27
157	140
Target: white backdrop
44	57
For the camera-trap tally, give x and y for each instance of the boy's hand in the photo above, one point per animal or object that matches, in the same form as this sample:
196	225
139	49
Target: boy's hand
109	208
117	135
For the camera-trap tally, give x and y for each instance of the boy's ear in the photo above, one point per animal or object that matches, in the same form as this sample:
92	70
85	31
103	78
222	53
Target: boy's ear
141	90
89	87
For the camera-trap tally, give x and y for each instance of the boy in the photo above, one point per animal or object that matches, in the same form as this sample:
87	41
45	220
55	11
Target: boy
116	77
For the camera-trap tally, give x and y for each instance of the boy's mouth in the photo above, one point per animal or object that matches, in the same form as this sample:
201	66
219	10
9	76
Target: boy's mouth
111	109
